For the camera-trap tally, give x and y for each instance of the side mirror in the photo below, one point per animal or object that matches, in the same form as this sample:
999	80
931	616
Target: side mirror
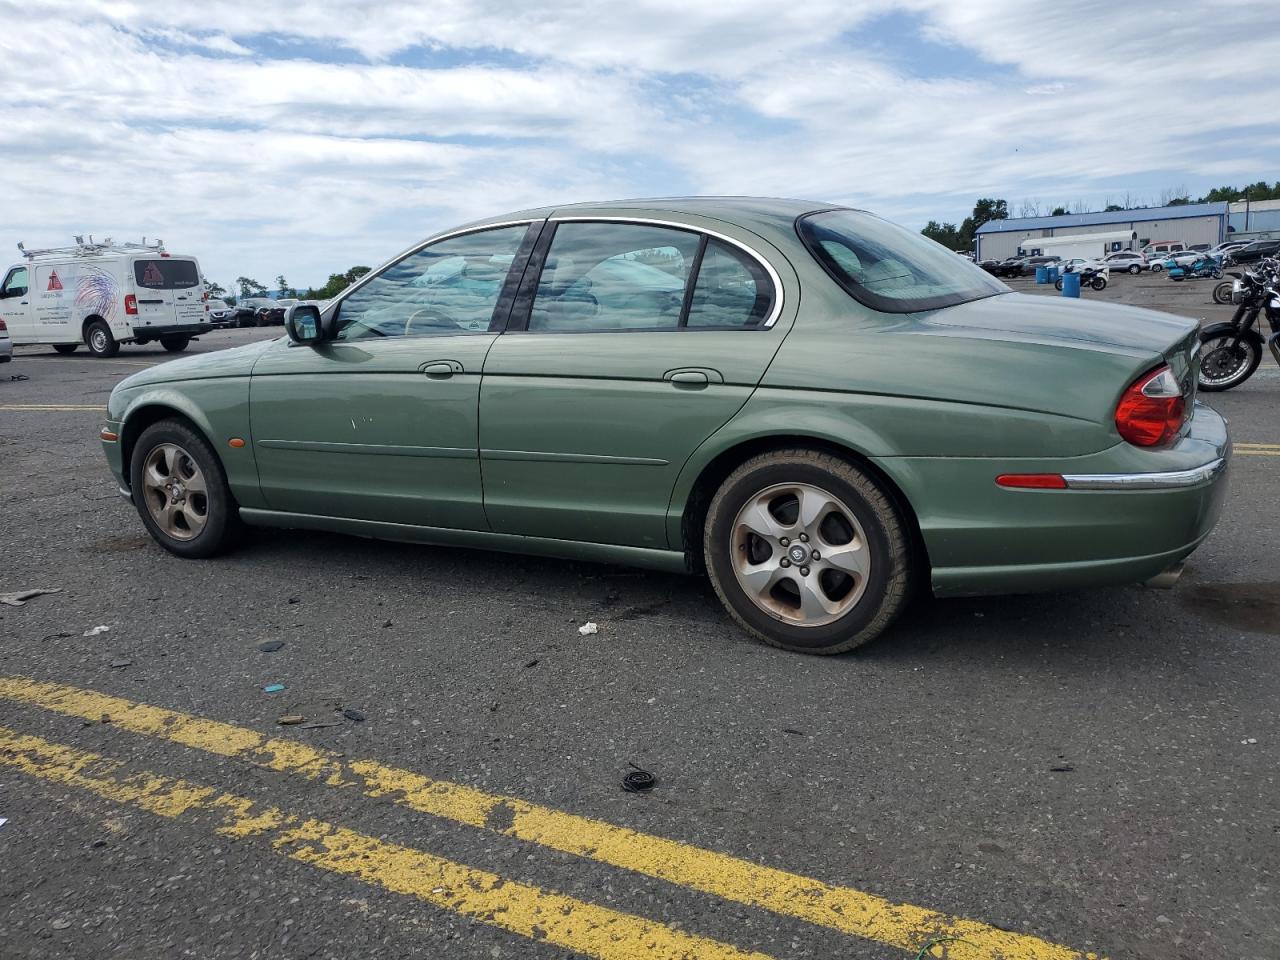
303	324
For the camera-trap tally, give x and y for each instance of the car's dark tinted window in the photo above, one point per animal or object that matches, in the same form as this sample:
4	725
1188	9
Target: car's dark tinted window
732	290
889	268
448	287
166	274
613	276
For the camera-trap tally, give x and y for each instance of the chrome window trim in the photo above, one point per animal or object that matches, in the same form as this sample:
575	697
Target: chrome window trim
694	228
417	247
1146	481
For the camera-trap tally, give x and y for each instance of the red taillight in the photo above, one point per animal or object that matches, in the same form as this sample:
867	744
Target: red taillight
1032	481
130	304
205	297
3	326
1152	410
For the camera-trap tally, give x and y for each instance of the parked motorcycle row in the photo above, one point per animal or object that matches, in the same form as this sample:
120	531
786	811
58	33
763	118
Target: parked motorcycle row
1230	352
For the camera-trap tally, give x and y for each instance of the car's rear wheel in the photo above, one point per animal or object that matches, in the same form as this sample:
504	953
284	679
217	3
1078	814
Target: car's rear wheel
175	344
101	343
66	348
807	552
1135	269
181	492
1157	267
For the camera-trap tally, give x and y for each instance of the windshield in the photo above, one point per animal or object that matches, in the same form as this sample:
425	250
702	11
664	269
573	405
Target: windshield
889	268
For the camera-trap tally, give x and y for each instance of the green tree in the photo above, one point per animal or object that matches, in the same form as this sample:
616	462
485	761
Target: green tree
1059	212
216	290
283	288
1113	208
984	210
943	233
336	283
249	287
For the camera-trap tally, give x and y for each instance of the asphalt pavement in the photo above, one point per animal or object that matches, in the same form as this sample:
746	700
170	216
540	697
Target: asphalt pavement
1037	777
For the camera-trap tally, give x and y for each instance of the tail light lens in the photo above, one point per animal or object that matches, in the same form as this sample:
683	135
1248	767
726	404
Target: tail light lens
1152	410
3	325
130	304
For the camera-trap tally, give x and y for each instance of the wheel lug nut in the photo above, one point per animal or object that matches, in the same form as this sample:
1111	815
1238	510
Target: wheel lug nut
785	562
816	555
804	571
804	538
784	541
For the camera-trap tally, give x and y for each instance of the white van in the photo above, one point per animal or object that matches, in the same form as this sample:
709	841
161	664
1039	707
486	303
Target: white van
103	295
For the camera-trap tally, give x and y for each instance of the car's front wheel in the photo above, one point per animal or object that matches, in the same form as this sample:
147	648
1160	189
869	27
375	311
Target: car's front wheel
1157	267
181	492
807	552
175	344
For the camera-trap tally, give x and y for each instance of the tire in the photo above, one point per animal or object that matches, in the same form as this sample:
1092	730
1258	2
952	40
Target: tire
1057	284
259	321
1216	274
1222	292
845	609
175	344
101	343
1157	267
1098	283
207	523
66	349
1134	269
1231	370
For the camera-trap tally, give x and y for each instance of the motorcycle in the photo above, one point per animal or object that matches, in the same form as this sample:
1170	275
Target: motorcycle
1230	352
1201	268
1222	291
1088	278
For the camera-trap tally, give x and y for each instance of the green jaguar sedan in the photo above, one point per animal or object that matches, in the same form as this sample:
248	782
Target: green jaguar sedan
820	410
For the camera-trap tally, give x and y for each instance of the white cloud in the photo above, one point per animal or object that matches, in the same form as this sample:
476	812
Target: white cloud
221	126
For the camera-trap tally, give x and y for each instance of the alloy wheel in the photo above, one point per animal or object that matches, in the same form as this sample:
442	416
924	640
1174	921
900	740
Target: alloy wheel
1224	361
799	554
175	491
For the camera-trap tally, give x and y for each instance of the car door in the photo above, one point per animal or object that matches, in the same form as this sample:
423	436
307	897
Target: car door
630	344
15	304
380	423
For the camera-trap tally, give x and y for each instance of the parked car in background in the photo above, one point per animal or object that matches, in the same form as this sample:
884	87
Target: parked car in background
1008	267
1081	264
1255	251
991	266
1127	260
6	343
667	383
247	309
1027	265
1162	248
1226	248
221	313
272	312
1179	258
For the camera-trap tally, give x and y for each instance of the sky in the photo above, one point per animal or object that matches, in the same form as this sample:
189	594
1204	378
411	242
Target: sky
273	138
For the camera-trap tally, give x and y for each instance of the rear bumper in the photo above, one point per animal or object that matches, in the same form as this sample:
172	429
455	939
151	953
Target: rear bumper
1127	514
171	330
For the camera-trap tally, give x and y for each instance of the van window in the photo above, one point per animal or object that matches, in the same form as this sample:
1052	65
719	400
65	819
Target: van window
166	274
15	285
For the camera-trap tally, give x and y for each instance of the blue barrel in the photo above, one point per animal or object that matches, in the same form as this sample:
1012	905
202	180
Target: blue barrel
1071	284
1042	274
1053	274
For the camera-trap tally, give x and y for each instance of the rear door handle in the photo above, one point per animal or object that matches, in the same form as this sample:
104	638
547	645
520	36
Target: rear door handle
441	369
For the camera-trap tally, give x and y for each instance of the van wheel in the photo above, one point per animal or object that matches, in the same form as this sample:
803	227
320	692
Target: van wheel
181	492
66	348
101	343
175	344
807	552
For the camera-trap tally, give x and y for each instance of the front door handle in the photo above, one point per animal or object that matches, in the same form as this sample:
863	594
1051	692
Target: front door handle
441	369
690	378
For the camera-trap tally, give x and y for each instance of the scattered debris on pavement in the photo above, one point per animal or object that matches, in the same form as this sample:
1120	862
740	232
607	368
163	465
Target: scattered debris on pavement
273	688
352	714
270	646
291	719
94	631
588	628
19	598
121	664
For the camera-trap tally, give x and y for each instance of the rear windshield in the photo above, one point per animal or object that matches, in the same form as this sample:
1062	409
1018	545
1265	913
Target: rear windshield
889	268
166	274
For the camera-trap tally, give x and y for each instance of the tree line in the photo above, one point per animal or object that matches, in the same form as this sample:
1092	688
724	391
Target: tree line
246	287
988	208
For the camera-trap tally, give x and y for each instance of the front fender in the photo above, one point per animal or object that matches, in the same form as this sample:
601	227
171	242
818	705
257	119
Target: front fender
219	409
1227	328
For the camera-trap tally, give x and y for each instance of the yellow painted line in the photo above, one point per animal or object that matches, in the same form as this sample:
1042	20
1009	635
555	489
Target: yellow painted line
1256	449
576	925
839	908
53	407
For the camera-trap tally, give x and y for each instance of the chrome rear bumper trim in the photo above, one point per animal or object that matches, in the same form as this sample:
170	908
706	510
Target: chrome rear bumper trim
1146	481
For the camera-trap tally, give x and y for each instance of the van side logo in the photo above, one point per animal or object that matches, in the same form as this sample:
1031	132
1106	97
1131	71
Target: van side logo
54	282
152	277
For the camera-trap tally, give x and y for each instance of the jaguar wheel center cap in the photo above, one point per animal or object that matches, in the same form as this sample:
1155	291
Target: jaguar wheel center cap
798	553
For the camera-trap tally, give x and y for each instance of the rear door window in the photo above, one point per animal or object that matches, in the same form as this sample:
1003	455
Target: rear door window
166	274
732	290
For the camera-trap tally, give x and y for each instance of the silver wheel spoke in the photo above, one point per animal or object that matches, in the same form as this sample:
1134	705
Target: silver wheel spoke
763	578
851	558
194	483
814	505
813	605
757	518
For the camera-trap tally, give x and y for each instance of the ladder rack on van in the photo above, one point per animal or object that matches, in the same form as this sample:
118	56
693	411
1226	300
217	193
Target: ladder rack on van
94	248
